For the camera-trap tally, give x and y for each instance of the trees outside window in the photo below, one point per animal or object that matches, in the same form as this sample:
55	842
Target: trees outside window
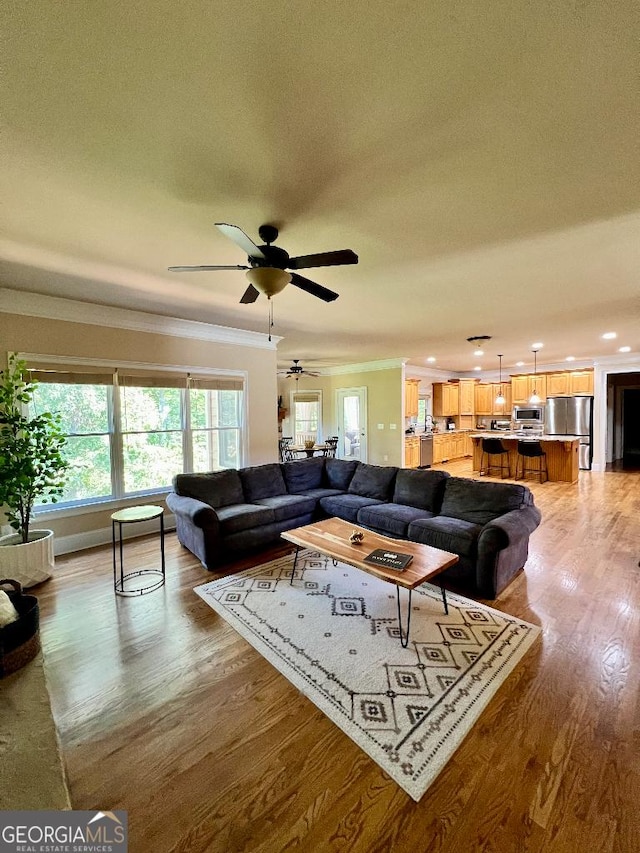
306	417
132	435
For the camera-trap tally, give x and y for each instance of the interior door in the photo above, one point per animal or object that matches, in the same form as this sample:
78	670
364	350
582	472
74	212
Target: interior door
351	409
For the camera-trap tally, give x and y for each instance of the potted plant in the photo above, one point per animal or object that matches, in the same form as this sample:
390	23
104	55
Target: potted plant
32	467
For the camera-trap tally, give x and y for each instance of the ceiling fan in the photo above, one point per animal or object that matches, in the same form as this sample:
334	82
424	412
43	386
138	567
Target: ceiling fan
297	370
268	265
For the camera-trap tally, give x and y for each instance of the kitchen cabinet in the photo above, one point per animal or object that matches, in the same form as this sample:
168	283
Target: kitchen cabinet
467	396
520	389
457	445
523	386
411	452
502	410
449	446
486	395
567	383
558	384
483	403
580	382
441	448
411	387
446	399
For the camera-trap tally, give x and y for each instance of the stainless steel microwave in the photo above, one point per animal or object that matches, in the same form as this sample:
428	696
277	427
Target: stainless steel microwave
528	414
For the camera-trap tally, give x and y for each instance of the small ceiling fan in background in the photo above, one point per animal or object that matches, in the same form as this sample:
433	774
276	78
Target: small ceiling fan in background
268	266
297	370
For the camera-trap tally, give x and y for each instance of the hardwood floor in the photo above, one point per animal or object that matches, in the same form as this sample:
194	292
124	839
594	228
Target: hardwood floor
163	710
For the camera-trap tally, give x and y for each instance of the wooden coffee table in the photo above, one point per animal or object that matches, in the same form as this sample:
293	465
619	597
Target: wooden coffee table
331	537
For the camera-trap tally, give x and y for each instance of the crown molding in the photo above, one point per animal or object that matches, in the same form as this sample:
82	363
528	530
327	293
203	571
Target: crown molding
625	361
73	311
432	374
364	367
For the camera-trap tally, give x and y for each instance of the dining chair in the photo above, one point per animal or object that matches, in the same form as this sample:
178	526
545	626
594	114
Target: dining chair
284	449
331	445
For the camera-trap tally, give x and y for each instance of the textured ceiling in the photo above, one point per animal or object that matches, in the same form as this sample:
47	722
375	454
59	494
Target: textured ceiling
481	159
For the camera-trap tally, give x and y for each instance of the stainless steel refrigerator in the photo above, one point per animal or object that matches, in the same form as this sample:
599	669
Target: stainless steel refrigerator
572	416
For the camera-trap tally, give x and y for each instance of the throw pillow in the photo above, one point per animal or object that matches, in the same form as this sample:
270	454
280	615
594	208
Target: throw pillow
373	481
8	613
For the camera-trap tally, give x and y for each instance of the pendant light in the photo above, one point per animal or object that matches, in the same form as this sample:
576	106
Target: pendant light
500	398
534	397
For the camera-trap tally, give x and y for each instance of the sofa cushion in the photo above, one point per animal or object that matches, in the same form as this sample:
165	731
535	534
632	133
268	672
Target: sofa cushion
338	473
289	506
322	493
448	534
373	481
479	502
239	517
303	475
216	488
346	506
262	481
390	519
420	488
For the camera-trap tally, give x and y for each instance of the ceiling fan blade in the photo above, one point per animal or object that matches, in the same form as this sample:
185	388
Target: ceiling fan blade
313	288
250	295
240	239
206	267
323	259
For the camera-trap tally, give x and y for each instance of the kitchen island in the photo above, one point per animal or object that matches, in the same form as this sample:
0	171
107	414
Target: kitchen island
562	452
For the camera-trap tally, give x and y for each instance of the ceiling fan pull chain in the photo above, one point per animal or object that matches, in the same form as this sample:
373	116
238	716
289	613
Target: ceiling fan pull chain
270	303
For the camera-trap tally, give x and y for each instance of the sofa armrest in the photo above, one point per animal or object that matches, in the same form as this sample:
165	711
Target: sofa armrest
503	547
515	524
197	512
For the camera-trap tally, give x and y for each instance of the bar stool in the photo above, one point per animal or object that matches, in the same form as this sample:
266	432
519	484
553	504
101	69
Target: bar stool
531	450
494	447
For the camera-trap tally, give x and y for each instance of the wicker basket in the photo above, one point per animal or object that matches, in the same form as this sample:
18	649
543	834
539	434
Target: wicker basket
20	640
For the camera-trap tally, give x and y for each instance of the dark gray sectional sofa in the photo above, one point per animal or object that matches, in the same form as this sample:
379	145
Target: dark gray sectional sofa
488	524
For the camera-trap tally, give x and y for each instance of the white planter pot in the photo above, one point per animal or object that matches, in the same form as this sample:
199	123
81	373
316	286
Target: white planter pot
28	563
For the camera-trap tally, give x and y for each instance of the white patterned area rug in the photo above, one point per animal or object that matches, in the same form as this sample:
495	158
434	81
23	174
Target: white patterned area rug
334	635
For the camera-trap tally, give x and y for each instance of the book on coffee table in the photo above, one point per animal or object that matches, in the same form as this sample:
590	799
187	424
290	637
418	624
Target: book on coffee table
389	559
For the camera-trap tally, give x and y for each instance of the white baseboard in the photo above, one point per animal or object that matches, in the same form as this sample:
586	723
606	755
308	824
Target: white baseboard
102	536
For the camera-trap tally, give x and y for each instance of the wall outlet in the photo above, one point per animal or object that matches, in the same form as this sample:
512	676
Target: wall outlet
392	426
385	458
380	426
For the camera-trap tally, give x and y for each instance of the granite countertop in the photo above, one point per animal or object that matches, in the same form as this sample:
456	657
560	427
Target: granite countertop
452	431
517	436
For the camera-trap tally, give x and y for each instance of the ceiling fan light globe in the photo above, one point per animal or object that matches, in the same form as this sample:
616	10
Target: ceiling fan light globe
268	280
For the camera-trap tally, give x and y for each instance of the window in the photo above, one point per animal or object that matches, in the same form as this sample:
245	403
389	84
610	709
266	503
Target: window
129	433
306	416
216	420
151	420
85	411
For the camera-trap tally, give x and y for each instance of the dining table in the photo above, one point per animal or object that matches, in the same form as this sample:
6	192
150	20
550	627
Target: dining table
308	451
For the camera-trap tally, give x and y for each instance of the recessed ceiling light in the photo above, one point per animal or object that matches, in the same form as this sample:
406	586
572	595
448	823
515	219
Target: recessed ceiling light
624	349
537	345
431	358
478	352
609	336
519	363
570	358
477	367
